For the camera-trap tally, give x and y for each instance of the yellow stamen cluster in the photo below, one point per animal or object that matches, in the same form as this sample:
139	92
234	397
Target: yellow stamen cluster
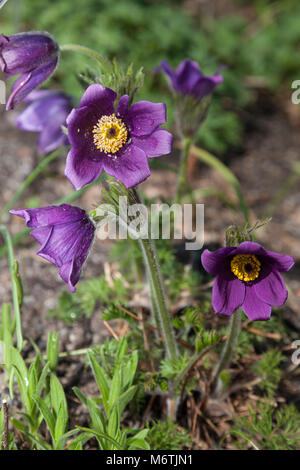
110	134
245	267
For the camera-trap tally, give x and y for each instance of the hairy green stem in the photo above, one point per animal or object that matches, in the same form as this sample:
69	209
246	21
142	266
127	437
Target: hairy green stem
160	309
183	168
228	349
158	296
14	286
43	163
90	52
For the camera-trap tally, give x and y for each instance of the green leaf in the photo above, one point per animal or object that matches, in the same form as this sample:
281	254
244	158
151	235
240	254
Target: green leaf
139	444
100	378
53	349
115	388
114	421
126	397
80	395
47	415
101	435
59	405
42	379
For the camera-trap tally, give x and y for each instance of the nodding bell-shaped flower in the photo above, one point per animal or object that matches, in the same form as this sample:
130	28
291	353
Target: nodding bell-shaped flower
32	55
65	234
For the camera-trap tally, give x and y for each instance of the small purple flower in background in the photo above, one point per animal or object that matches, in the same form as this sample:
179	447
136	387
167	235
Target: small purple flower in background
46	113
118	142
32	55
188	79
247	276
65	234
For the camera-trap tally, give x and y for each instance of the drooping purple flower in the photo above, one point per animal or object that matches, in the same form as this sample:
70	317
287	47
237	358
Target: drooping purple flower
65	234
188	79
247	276
116	141
46	114
33	56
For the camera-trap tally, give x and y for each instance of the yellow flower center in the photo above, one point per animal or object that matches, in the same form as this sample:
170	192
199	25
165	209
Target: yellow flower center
110	134
245	267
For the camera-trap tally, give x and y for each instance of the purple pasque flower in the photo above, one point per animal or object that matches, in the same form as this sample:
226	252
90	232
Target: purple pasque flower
188	79
33	55
46	114
116	141
65	234
247	276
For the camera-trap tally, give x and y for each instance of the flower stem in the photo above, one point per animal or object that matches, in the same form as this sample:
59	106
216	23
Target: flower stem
87	51
227	352
160	309
183	168
159	304
14	286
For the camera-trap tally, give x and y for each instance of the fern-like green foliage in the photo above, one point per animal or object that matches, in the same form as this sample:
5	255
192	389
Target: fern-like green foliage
89	293
268	369
166	435
268	429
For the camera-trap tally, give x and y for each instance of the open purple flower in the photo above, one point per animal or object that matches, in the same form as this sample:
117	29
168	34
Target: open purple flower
33	56
247	276
188	79
46	114
65	234
118	142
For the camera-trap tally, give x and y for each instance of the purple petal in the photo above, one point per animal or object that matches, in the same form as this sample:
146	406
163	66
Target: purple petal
51	215
206	85
130	167
45	108
188	74
227	295
122	107
27	82
80	168
65	234
99	97
254	307
63	242
51	139
25	52
144	117
271	289
250	248
69	275
80	124
165	66
157	144
281	263
214	261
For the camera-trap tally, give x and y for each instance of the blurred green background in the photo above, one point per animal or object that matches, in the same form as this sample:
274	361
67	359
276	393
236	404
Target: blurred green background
258	41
